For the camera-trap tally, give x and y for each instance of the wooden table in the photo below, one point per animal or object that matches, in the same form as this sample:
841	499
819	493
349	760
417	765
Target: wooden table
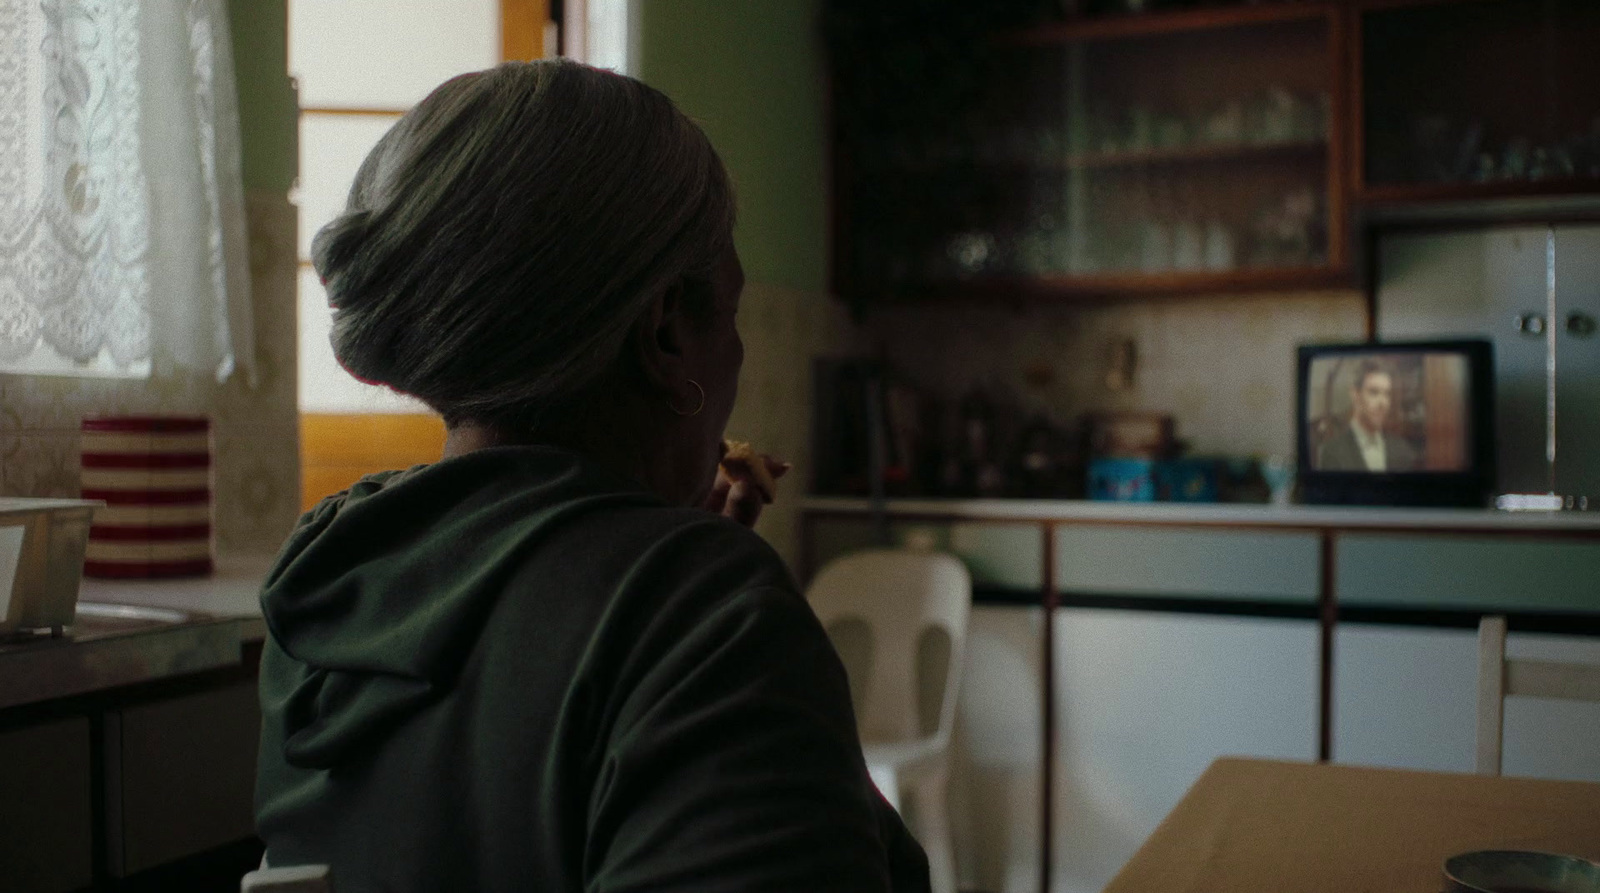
1260	825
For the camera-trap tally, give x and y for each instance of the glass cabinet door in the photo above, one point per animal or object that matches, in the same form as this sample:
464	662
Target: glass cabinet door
1479	98
1083	160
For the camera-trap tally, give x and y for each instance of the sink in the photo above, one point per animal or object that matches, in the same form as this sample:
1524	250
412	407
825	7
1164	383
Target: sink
95	619
98	620
101	613
109	644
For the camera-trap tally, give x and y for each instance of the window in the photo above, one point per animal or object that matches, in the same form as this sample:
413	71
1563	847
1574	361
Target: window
122	237
359	65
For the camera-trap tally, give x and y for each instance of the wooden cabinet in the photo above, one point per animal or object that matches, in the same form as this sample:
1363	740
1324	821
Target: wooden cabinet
46	807
180	776
1477	99
1183	151
138	787
1226	147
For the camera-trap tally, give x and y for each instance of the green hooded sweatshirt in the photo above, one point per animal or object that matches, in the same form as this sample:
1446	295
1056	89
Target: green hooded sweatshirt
513	671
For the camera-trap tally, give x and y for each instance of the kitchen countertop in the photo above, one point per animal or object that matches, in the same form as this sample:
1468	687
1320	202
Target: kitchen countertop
1218	514
134	631
232	590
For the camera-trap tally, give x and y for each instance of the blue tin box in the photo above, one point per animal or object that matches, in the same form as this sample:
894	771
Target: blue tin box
1122	480
1188	480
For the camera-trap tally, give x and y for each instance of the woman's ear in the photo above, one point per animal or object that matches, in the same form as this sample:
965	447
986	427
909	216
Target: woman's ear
659	339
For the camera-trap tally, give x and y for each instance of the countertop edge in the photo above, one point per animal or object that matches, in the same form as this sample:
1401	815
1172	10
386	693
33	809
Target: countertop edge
1286	517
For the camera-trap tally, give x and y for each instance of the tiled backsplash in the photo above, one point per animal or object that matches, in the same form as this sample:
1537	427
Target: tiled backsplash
1223	366
783	328
255	430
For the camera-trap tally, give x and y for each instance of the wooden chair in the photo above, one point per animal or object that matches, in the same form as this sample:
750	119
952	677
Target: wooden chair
1499	677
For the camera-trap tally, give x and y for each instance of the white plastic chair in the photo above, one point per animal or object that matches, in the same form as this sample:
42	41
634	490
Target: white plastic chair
1499	677
899	620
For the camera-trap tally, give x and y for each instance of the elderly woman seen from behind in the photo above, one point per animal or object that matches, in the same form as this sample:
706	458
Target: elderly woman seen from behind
541	664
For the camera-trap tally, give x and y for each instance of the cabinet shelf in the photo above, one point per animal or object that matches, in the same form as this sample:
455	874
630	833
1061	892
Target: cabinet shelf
1212	153
1112	27
1458	85
1387	5
1203	154
1125	285
1416	193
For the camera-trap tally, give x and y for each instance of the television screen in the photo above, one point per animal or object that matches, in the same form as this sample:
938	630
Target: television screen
1389	412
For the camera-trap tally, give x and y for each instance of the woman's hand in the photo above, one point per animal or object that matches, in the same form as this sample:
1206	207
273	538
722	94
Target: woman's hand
738	494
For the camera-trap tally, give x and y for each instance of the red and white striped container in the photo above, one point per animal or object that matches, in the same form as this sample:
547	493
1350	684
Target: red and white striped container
154	474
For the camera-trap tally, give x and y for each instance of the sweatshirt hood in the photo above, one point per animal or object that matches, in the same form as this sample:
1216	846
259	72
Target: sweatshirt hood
381	592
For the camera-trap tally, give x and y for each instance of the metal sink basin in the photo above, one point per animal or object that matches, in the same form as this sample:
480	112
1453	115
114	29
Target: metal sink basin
109	645
106	616
97	620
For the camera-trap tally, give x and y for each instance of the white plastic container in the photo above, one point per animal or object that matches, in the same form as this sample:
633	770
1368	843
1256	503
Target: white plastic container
42	544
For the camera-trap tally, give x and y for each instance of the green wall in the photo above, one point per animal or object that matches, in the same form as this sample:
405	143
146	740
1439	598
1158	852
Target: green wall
751	72
268	110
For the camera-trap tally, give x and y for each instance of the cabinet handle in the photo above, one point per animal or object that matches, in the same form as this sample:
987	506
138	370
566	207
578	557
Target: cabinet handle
1529	324
1580	325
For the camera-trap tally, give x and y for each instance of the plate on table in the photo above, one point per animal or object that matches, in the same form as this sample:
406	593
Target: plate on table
1518	871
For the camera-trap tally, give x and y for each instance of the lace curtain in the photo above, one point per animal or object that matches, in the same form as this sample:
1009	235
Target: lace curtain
122	236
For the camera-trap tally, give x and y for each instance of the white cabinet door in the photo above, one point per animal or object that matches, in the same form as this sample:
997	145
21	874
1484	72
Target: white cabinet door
995	769
1146	701
1407	698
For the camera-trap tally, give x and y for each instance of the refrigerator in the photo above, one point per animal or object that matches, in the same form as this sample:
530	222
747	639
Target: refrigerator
1534	291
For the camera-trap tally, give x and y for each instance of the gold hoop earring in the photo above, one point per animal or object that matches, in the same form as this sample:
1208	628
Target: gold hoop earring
701	405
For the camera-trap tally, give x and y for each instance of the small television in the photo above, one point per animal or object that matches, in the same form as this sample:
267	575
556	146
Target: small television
1396	423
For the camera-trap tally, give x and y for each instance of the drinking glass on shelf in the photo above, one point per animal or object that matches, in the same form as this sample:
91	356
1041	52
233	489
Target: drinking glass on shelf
1276	110
1225	125
1278	472
1141	129
1310	117
971	252
1561	163
1035	243
1219	246
1155	246
1188	245
1515	159
1171	132
1485	169
1188	236
1539	164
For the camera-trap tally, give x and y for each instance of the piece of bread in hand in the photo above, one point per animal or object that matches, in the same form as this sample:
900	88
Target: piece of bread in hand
742	463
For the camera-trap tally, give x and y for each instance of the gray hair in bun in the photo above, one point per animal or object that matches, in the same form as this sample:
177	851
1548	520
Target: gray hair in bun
504	236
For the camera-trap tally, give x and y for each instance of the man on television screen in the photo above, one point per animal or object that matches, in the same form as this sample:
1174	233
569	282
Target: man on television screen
1364	445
